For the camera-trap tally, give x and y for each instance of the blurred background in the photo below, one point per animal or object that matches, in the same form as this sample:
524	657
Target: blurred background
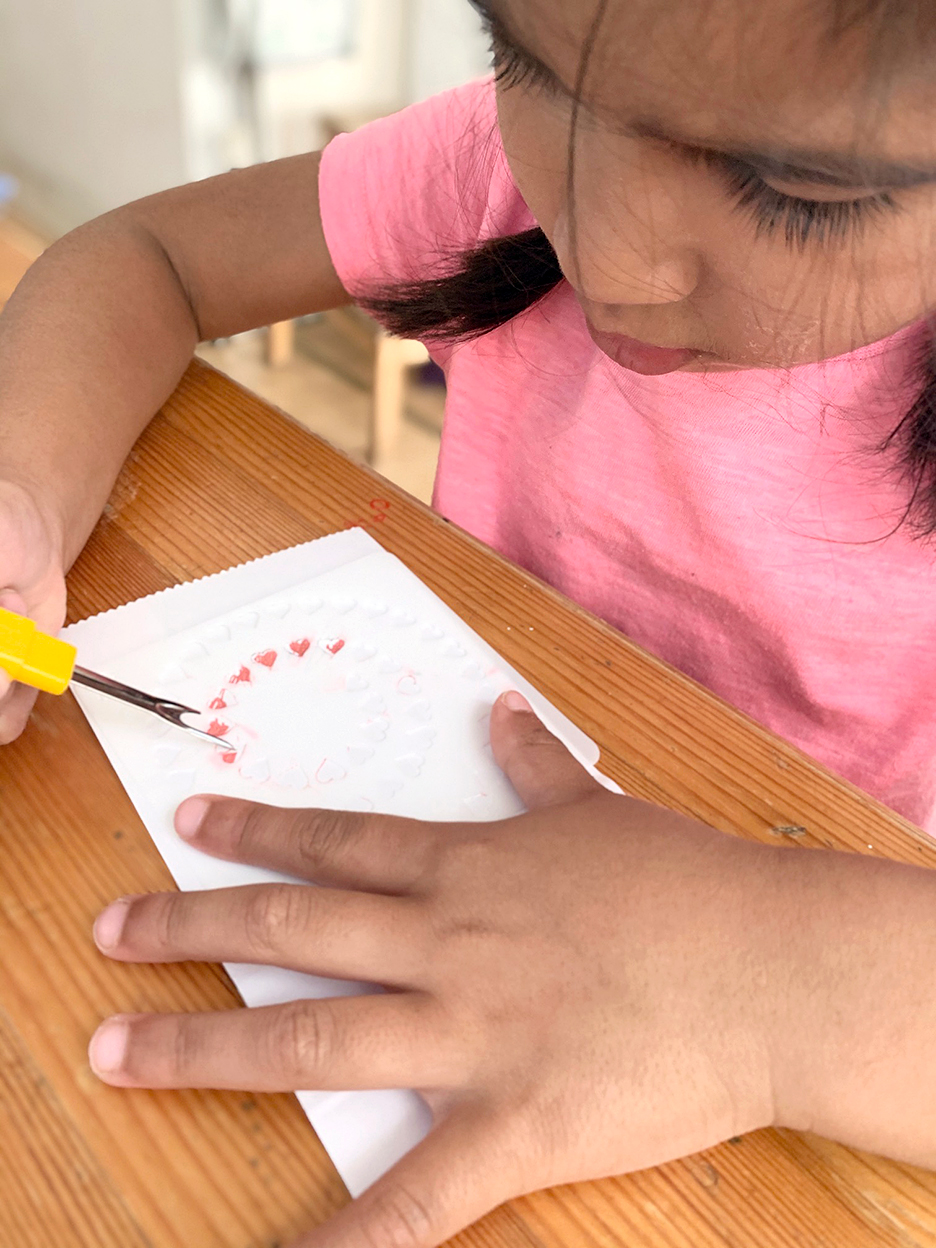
103	101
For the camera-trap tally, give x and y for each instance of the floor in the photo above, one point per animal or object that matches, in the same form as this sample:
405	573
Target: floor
326	386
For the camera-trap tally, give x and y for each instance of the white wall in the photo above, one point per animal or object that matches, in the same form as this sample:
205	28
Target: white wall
90	109
102	101
447	46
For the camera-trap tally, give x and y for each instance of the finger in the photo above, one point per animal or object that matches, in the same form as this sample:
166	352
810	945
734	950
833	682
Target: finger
15	709
455	1176
320	931
345	849
10	724
538	765
389	1040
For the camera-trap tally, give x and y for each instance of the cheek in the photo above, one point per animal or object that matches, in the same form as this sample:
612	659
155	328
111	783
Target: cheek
536	141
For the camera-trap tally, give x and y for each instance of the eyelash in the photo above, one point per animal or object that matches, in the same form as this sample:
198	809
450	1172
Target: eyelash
801	220
511	70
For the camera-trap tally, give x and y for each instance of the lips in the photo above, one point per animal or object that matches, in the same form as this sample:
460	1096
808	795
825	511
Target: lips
641	357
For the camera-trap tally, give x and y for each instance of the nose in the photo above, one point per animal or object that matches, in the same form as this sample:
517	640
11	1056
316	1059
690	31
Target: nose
625	253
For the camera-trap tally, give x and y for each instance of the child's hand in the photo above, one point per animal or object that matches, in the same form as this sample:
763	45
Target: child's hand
32	582
578	991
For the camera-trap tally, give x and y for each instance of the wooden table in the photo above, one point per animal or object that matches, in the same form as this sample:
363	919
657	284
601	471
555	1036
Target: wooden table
219	478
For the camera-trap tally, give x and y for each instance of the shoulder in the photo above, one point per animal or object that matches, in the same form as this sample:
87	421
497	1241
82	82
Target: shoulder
402	194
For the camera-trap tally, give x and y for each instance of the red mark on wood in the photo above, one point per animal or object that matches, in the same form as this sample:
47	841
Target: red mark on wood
242	677
218	704
266	659
380	504
300	647
218	729
229	757
334	646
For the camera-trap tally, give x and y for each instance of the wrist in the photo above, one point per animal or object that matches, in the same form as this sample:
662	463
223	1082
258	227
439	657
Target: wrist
35	512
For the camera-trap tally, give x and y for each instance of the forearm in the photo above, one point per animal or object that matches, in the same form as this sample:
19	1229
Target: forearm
853	963
91	344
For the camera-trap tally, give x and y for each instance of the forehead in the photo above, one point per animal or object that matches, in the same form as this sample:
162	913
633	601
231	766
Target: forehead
752	72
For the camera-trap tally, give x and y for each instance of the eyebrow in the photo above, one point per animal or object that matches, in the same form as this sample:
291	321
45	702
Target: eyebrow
792	165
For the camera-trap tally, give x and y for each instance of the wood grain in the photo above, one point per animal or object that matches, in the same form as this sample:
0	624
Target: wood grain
219	478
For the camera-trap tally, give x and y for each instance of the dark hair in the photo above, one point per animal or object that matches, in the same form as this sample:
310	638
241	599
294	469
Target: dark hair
503	277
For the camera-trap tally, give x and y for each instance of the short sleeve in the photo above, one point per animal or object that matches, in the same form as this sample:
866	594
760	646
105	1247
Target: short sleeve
402	197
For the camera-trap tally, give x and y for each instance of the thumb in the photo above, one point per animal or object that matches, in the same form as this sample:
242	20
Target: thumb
538	765
447	1182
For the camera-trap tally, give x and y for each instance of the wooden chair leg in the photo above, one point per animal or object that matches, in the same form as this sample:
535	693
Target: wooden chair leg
281	343
393	356
387	416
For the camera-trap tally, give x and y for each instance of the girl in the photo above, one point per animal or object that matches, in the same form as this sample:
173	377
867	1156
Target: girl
676	263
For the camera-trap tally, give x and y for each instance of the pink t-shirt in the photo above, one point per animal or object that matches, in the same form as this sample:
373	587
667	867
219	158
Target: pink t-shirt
739	525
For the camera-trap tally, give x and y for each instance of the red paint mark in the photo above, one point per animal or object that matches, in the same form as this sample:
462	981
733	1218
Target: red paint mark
229	757
334	646
218	704
242	677
380	504
218	729
266	659
300	647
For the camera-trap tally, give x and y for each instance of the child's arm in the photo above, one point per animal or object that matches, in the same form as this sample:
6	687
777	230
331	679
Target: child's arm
98	334
102	327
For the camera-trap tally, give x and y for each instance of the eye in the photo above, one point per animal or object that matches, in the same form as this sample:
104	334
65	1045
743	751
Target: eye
511	68
802	221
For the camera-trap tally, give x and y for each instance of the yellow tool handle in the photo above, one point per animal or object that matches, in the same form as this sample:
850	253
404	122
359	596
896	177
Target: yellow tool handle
31	657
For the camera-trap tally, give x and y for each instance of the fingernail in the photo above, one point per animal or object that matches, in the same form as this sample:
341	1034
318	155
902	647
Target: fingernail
189	817
516	702
108	1046
110	924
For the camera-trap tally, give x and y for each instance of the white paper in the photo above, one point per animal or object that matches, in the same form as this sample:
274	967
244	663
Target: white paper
343	682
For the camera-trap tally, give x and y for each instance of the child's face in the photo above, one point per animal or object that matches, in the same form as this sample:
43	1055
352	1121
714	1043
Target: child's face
675	247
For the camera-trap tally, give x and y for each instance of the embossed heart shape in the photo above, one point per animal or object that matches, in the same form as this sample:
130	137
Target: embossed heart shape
172	674
360	754
256	769
364	651
408	685
376	730
421	738
166	754
266	658
329	771
294	778
356	682
386	788
372	702
410	764
300	647
216	634
332	644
